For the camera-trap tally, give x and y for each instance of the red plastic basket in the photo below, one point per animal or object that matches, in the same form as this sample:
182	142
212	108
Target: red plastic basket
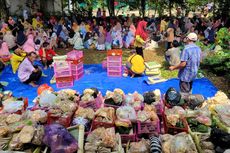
114	52
63	120
95	104
174	130
96	124
64	82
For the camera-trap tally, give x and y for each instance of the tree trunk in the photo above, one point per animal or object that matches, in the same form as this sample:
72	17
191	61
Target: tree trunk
4	10
111	7
143	2
170	8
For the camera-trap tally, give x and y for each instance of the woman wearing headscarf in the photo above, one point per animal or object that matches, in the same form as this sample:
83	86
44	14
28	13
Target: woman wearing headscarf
141	37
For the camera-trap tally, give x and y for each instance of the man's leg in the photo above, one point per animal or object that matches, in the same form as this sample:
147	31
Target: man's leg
185	87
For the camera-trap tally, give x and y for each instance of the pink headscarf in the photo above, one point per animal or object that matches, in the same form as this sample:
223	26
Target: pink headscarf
141	30
29	45
4	49
132	28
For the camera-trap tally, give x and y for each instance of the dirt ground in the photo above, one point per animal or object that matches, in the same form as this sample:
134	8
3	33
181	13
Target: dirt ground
96	57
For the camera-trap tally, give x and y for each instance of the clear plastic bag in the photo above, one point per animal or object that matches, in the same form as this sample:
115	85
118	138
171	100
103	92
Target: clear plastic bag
126	112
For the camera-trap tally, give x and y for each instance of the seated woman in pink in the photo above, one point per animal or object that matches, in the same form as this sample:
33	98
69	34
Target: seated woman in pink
29	45
4	50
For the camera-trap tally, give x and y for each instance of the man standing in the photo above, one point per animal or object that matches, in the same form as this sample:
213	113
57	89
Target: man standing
190	62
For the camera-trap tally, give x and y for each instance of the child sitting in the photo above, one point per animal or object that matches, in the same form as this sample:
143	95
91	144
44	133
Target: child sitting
88	40
4	50
16	59
46	54
29	45
100	45
76	40
172	55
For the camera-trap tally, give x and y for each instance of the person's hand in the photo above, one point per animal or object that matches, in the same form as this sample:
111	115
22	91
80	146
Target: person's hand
171	68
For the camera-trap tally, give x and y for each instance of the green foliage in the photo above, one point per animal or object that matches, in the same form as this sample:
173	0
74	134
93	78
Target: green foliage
223	36
218	63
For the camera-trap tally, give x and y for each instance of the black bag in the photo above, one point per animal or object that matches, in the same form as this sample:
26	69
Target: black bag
172	97
149	97
220	139
194	100
2	66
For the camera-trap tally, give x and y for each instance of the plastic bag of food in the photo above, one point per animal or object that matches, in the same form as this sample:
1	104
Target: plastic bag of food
38	116
13	106
139	147
87	113
106	114
126	112
15	143
204	120
183	143
12	118
4	131
47	99
59	139
17	126
173	97
38	135
149	97
26	134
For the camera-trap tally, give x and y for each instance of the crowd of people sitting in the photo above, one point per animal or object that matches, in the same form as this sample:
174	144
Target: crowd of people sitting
22	40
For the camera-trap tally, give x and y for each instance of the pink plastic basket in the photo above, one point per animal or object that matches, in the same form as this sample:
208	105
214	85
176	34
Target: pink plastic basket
110	64
148	127
114	58
79	76
62	69
114	74
159	108
125	138
114	69
97	124
65	84
95	104
75	55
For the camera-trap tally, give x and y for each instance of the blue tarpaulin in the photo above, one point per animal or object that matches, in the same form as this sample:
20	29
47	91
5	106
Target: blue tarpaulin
96	76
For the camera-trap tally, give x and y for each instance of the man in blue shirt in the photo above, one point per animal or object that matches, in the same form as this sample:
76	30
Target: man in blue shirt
190	62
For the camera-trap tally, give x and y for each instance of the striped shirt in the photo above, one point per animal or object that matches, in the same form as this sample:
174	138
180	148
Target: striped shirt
191	55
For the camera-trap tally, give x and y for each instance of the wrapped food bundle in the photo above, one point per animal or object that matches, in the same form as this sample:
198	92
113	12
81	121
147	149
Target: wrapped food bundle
23	137
124	126
47	99
180	143
101	140
89	95
114	98
223	112
59	139
12	105
199	120
142	146
174	115
219	98
38	116
4	131
127	113
135	100
87	113
18	126
12	118
38	135
106	114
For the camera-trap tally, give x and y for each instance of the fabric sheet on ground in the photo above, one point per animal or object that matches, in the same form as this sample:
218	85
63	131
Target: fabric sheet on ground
96	76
